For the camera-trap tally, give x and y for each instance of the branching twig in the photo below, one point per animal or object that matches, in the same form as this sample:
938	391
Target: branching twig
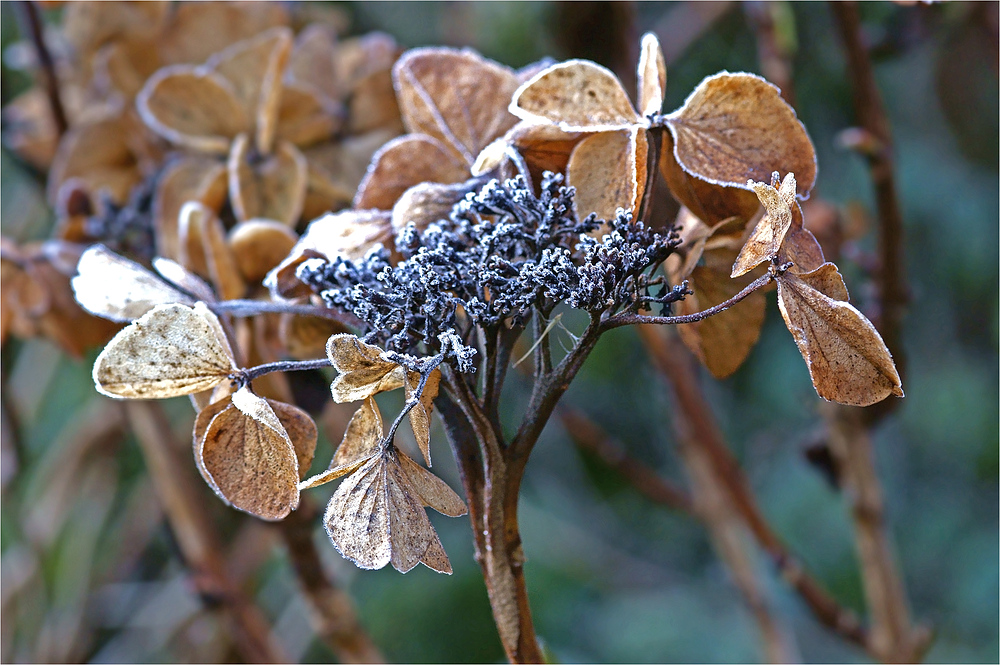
175	485
332	611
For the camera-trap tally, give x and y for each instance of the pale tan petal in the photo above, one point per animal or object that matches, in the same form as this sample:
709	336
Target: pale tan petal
189	178
172	350
361	441
456	97
363	371
273	187
357	517
116	288
420	415
608	170
433	491
259	245
430	202
576	95
180	276
196	30
651	75
403	163
770	231
249	458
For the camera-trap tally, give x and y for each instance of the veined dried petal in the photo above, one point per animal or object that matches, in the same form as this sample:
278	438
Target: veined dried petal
249	459
737	126
576	95
273	187
847	359
361	441
608	170
171	350
420	414
190	178
197	30
259	245
116	288
456	97
363	371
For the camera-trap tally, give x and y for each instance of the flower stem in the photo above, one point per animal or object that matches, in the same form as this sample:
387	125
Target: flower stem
245	376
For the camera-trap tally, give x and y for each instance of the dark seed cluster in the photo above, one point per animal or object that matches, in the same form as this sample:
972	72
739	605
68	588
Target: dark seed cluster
502	253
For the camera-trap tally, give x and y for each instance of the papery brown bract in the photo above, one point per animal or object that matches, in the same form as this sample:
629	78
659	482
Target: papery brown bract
736	126
847	359
608	170
187	178
172	350
273	187
420	414
258	245
363	371
252	451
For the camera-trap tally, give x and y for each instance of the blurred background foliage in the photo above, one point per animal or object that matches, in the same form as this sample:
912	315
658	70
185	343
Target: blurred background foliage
90	572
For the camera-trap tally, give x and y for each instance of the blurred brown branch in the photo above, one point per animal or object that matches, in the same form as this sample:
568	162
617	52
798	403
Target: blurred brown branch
198	542
31	27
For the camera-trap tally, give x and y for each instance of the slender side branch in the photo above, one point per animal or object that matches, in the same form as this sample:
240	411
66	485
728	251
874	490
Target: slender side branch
245	376
246	308
628	319
177	490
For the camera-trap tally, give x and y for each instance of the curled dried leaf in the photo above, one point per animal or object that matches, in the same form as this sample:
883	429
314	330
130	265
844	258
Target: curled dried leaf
248	457
363	371
767	236
736	126
576	95
361	441
420	414
847	359
171	350
116	288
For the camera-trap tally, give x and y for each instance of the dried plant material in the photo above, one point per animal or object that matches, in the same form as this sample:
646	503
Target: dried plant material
377	514
37	299
827	280
800	246
420	414
258	245
313	60
193	219
651	75
363	370
372	105
721	342
183	278
544	147
28	128
302	432
576	95
125	65
87	26
401	164
196	30
193	107
433	491
115	288
272	187
222	266
255	68
767	236
456	97
248	458
362	437
351	233
336	171
190	178
172	350
305	118
99	154
304	337
709	202
608	170
429	202
847	359
737	126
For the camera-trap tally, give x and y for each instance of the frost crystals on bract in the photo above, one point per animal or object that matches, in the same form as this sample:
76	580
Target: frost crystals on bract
250	450
377	514
172	350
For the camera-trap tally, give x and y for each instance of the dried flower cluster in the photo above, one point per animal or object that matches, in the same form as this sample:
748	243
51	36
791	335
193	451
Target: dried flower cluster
512	194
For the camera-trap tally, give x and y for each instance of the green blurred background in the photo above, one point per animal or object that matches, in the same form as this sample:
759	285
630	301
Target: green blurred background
612	577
